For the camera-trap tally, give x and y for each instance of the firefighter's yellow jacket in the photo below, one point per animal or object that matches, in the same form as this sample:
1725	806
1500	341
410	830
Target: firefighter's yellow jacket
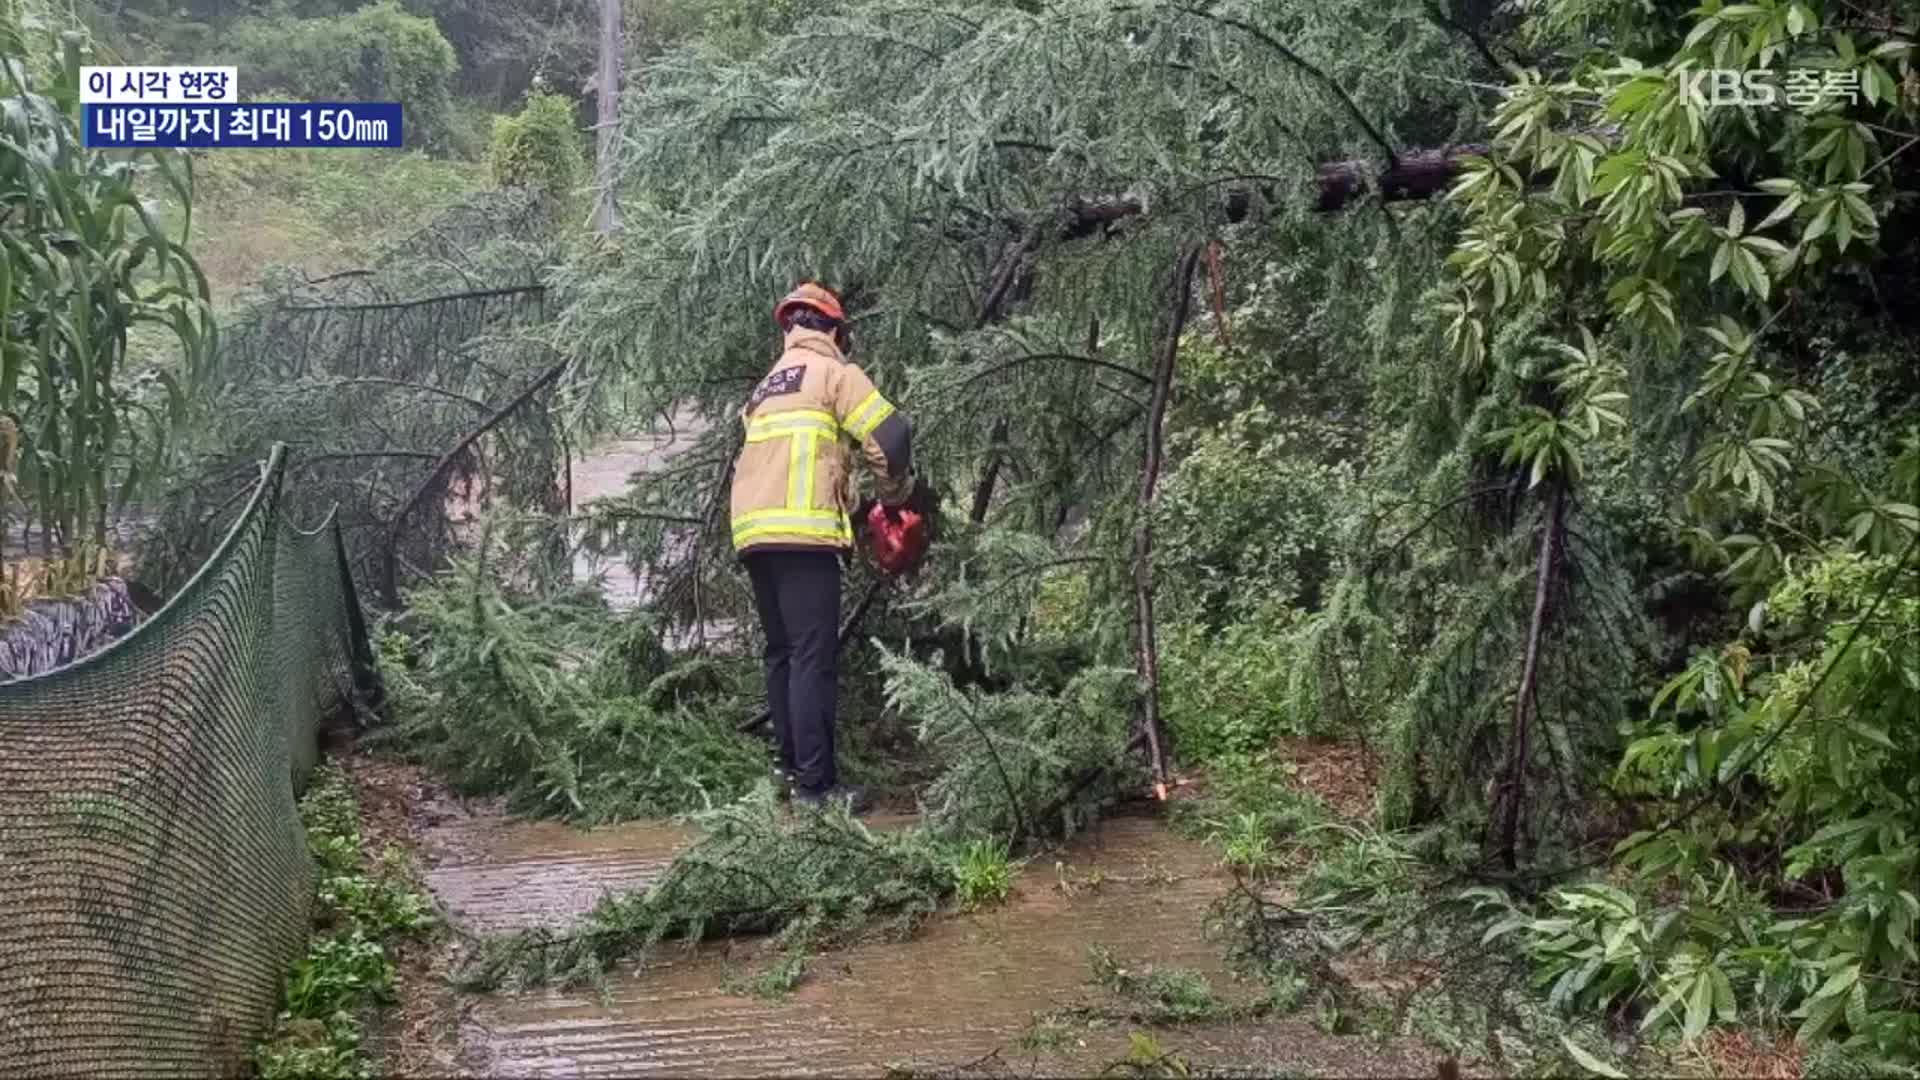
793	481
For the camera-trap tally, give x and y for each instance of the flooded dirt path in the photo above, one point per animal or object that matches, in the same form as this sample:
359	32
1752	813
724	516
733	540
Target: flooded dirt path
967	987
604	472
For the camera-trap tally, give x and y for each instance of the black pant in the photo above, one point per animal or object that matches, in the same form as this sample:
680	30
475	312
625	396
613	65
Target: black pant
798	594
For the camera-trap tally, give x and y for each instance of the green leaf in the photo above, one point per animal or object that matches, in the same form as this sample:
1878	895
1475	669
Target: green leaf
1590	1063
1871	734
1723	1001
1821	1015
1840	983
1822	221
1781	212
1699	1006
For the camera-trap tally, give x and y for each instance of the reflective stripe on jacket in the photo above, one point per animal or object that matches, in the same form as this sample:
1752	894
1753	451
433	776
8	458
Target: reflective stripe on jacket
792	484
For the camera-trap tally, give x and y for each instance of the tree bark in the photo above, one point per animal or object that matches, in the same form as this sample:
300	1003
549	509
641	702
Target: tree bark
1418	174
1147	656
983	493
1415	174
1512	791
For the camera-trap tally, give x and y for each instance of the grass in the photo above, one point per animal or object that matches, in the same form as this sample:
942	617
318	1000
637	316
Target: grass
1158	995
983	874
320	210
361	908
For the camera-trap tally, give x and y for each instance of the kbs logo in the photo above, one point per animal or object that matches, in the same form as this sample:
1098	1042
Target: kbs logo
1713	88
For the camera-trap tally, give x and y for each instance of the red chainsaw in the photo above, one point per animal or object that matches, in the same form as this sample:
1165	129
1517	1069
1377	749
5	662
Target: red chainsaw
897	538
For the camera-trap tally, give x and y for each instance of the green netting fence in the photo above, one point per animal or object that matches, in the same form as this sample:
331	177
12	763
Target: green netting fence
154	877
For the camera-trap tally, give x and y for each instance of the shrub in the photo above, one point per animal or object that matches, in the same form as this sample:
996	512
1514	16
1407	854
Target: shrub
540	148
378	53
1235	690
1248	519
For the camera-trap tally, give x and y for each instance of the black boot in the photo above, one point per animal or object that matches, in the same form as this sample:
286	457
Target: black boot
855	799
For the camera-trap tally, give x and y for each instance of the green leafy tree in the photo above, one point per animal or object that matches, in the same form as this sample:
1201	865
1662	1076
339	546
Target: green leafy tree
376	53
1704	275
1002	191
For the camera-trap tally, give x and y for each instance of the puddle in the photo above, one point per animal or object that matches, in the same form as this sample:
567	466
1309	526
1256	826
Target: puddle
532	873
604	472
963	988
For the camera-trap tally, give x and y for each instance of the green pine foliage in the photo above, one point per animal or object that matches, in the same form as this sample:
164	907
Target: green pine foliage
1007	759
549	699
755	869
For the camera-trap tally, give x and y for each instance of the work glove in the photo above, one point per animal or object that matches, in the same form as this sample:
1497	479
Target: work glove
922	500
925	501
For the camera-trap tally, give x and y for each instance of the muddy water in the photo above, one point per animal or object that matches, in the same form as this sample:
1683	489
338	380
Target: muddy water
604	472
542	873
967	986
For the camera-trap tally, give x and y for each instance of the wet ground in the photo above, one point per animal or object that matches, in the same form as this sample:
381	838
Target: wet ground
605	472
964	991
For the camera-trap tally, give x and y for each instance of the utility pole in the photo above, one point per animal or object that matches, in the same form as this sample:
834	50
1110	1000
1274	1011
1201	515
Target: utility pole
604	219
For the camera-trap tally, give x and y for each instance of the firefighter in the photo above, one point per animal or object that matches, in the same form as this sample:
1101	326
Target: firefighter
792	516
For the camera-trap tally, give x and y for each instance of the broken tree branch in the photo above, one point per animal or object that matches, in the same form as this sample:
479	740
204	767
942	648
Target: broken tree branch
1147	656
1512	791
1294	58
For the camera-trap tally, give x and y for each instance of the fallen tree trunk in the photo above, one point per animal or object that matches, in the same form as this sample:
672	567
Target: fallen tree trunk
1415	174
1418	174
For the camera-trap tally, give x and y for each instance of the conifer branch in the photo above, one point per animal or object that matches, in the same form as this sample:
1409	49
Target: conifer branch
1300	62
993	753
389	578
402	384
394	305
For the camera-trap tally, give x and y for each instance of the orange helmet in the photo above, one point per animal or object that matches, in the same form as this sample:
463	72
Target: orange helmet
811	295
